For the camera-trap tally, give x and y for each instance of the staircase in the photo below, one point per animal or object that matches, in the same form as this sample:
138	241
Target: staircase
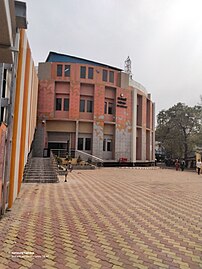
40	170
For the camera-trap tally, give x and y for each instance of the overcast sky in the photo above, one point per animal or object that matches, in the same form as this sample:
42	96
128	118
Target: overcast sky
162	37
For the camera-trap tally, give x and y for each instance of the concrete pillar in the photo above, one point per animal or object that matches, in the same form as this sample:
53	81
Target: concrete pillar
134	125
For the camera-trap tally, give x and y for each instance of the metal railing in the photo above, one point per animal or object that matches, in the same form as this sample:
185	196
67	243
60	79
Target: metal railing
88	157
79	154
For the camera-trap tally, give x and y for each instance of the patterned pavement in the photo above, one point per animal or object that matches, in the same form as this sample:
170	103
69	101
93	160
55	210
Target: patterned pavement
106	218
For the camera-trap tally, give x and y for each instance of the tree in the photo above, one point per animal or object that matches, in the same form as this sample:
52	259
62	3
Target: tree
178	129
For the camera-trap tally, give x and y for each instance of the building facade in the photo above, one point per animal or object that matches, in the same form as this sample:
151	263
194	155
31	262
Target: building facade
18	99
93	108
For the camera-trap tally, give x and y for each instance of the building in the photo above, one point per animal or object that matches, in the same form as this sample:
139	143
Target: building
18	99
93	108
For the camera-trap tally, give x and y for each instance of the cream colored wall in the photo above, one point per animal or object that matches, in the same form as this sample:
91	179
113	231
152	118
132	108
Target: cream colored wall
60	126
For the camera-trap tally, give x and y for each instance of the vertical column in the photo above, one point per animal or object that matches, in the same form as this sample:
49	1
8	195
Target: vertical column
153	131
134	124
77	135
98	126
144	123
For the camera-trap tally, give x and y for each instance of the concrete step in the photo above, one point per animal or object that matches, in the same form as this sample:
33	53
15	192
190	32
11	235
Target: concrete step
40	170
37	180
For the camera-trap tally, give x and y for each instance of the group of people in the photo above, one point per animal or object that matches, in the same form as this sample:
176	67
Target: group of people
180	165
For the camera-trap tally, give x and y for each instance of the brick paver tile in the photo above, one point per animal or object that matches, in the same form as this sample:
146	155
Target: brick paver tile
106	218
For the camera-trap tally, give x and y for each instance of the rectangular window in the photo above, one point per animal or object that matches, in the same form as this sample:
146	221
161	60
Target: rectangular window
90	72
66	104
83	72
110	108
58	105
111	76
67	70
104	75
105	107
80	143
89	106
109	145
59	70
82	105
2	114
104	145
88	144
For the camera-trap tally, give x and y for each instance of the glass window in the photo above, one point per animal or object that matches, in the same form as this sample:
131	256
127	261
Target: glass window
89	106
83	72
66	104
90	72
111	76
82	105
59	70
58	104
109	145
104	75
2	114
88	144
80	143
105	107
110	108
67	70
104	145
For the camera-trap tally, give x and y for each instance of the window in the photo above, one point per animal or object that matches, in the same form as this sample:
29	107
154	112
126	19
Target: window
59	70
80	143
107	144
82	105
66	104
104	145
86	106
58	103
90	72
67	70
88	144
111	76
104	75
110	108
83	72
105	107
84	143
89	106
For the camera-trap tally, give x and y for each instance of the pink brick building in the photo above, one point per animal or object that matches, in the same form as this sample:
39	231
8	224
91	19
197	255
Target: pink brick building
94	108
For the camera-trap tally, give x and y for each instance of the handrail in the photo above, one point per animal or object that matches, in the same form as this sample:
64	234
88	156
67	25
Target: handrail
89	156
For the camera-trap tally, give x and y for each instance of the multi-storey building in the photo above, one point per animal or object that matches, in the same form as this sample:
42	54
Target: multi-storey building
95	108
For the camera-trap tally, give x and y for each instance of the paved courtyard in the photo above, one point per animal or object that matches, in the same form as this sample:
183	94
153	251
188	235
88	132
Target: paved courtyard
107	218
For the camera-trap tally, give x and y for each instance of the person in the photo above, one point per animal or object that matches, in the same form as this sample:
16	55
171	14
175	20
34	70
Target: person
66	174
182	165
70	167
177	165
198	166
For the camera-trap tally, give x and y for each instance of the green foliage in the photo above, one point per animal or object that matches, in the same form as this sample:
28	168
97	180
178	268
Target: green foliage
79	160
59	160
179	129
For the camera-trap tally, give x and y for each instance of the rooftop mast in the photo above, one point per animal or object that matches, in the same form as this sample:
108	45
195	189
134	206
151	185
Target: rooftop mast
127	67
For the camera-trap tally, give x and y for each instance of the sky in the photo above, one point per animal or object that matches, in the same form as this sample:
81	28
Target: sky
163	39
